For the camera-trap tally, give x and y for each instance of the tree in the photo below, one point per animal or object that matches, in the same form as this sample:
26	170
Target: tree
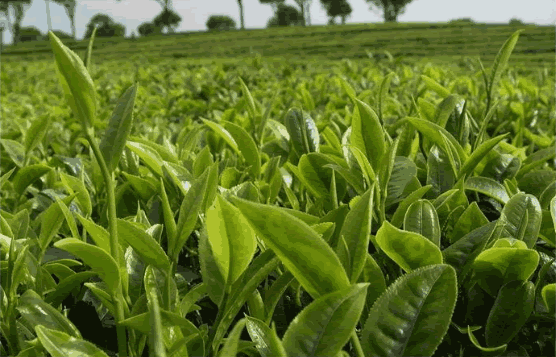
31	33
19	8
69	6
167	19
106	27
391	8
336	8
286	15
220	22
148	28
304	10
240	3
273	3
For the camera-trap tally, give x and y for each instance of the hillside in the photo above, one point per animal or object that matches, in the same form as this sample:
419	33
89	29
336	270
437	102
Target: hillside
414	41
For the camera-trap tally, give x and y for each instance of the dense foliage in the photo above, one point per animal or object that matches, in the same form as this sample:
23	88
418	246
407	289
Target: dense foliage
290	209
220	22
107	27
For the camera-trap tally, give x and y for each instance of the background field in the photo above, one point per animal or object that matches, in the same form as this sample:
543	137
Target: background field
413	42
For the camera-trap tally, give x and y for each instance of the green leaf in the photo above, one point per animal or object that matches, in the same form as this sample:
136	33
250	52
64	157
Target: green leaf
356	231
489	187
549	297
118	129
100	236
189	210
210	271
495	267
439	135
444	109
246	146
266	340
250	102
421	218
412	316
397	218
374	275
89	52
512	307
434	86
409	250
326	325
141	322
223	133
66	286
36	312
149	156
15	151
303	132
383	92
479	154
472	217
293	241
256	272
74	184
35	134
145	245
365	166
203	160
59	344
368	133
462	253
166	153
156	337
522	217
27	175
230	347
78	80
231	238
101	262
501	60
51	221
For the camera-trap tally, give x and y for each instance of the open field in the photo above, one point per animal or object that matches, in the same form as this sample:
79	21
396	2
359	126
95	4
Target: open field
437	42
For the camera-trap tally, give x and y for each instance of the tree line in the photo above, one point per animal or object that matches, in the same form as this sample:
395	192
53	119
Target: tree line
168	20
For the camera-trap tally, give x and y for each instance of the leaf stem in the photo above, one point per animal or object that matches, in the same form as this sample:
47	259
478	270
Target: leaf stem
114	244
357	344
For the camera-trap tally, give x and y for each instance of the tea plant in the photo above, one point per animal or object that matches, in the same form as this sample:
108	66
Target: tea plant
424	227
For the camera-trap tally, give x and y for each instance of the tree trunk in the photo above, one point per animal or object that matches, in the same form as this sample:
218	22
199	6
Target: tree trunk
48	15
390	13
240	3
72	20
16	28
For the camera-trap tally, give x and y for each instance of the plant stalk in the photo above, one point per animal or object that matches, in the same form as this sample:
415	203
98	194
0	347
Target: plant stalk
114	244
357	344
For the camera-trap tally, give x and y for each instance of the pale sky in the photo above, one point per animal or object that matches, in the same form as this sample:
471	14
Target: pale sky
195	13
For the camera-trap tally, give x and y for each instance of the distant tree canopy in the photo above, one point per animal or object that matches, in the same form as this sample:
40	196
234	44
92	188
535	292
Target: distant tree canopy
31	33
18	7
220	22
167	19
286	15
273	3
516	22
336	8
391	9
106	27
148	28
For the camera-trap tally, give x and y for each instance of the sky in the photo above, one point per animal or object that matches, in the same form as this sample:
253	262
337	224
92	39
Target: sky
195	13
